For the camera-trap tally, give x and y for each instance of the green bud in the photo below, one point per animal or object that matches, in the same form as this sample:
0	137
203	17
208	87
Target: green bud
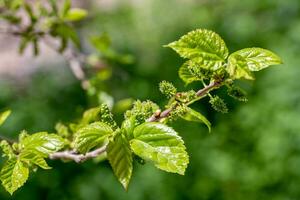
167	89
142	110
186	96
177	112
218	104
237	93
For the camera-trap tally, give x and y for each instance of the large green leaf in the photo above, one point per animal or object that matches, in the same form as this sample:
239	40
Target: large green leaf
243	62
13	174
192	115
42	143
91	136
160	144
201	43
120	158
3	116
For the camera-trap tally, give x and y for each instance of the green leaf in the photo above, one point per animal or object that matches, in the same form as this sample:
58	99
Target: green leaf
201	43
186	75
13	174
192	115
243	62
120	158
237	68
101	42
66	7
62	130
90	115
128	126
75	14
91	136
31	157
3	116
6	149
42	143
160	144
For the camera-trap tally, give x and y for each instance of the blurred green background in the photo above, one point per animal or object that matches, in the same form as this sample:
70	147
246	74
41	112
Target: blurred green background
252	153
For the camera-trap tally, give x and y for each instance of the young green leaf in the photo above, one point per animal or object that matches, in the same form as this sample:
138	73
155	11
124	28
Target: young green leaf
75	14
192	115
120	158
237	68
42	143
243	62
91	136
13	174
201	43
31	157
186	75
160	144
3	116
257	58
90	115
6	149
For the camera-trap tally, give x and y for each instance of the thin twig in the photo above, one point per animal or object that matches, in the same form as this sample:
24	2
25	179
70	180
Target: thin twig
200	93
71	155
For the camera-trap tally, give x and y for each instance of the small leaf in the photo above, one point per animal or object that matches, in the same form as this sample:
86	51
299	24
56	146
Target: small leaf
3	116
43	143
192	115
186	75
6	149
201	43
13	174
120	158
91	136
90	115
62	130
160	144
75	14
31	157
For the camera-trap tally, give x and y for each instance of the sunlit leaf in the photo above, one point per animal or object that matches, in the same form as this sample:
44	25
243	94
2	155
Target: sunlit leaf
203	44
91	136
43	143
6	149
160	144
243	62
120	158
13	174
31	157
192	115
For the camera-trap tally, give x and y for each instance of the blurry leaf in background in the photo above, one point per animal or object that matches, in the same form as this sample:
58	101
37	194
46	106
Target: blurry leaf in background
75	14
3	116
